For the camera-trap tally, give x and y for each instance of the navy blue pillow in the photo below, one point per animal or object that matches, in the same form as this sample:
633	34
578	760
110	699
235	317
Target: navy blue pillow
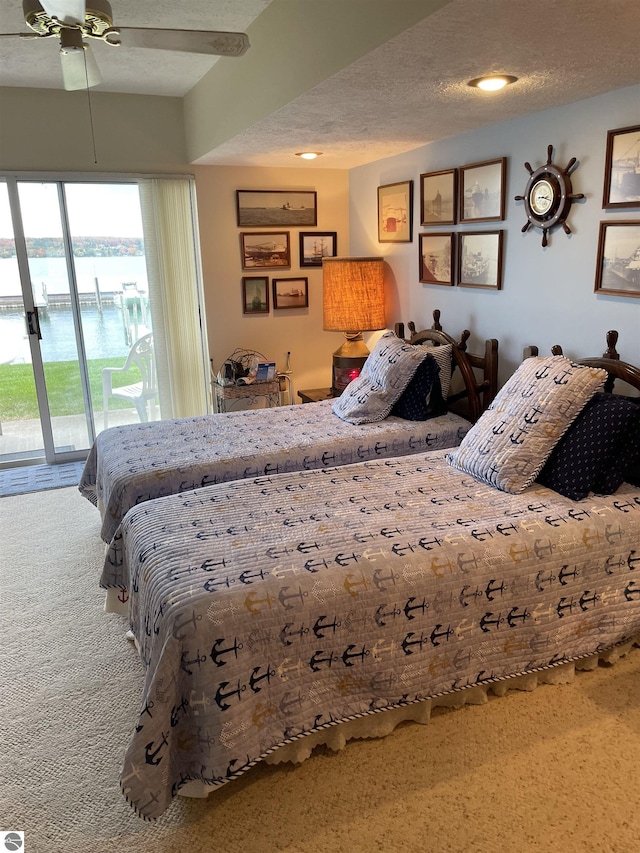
632	474
624	464
422	398
591	454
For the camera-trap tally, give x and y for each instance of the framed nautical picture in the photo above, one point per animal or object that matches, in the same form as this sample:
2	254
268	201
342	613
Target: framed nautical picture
316	245
480	259
265	249
395	212
481	190
618	259
622	168
436	258
290	293
438	197
255	295
268	208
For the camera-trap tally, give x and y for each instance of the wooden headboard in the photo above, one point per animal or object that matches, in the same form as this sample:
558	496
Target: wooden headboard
478	391
610	361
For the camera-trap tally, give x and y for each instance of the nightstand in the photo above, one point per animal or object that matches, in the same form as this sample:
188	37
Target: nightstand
315	395
230	397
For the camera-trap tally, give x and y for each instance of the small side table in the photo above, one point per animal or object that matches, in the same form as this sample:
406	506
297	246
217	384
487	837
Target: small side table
315	395
229	397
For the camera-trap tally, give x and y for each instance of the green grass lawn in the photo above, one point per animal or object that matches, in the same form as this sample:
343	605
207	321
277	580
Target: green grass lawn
18	392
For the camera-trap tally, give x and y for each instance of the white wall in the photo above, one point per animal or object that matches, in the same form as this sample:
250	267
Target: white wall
547	294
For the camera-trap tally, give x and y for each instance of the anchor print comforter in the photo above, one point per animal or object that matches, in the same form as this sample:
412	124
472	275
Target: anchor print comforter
267	608
139	462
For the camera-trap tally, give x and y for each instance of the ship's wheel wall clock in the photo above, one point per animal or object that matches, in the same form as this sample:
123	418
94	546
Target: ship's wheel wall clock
548	196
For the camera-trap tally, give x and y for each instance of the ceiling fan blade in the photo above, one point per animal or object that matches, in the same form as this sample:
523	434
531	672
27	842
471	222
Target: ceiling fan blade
74	73
68	11
187	41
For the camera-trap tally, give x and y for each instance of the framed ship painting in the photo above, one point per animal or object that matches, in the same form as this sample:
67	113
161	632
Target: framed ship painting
316	245
622	168
265	249
438	197
255	294
480	259
436	258
290	293
618	259
269	208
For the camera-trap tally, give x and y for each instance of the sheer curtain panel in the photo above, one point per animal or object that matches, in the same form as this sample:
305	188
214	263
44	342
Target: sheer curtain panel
175	295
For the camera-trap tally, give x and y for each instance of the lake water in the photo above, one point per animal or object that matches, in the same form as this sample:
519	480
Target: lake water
103	332
104	335
110	272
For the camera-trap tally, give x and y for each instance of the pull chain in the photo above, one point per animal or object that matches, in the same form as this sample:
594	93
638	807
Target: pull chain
93	137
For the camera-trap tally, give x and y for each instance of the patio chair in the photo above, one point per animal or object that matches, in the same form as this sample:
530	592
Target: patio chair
139	394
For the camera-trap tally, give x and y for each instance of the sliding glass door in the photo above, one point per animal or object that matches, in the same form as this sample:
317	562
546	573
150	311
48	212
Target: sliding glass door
74	303
21	436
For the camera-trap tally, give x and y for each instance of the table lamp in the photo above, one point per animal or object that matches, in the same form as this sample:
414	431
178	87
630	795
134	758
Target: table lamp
353	302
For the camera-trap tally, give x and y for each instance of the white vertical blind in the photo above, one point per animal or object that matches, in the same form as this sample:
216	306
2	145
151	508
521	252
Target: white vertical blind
175	295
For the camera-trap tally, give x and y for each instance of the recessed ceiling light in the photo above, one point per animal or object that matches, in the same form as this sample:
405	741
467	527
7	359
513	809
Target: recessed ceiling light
309	155
493	83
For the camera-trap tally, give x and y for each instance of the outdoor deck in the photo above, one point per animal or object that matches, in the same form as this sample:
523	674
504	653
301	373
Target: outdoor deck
20	440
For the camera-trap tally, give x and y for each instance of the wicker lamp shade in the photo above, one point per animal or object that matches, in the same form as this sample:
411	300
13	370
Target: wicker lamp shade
353	294
353	302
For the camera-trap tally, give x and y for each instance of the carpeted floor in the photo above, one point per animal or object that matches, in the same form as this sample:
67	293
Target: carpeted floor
527	773
38	478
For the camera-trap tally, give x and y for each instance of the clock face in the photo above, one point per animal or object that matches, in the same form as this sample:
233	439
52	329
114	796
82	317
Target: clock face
541	197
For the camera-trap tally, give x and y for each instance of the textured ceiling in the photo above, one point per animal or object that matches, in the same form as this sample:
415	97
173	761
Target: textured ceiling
407	92
412	89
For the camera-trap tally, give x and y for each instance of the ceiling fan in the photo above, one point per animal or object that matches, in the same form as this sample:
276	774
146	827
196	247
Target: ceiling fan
73	21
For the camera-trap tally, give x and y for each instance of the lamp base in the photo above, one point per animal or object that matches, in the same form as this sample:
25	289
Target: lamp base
348	361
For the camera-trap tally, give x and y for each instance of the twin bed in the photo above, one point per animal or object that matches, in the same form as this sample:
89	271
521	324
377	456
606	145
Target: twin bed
273	612
131	464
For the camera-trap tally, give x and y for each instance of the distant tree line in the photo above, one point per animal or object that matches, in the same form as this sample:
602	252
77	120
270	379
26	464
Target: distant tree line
83	247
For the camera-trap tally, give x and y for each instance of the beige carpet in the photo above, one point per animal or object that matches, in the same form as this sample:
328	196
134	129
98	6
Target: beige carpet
556	769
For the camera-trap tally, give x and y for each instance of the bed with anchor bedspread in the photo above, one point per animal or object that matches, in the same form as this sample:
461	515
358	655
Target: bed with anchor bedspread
138	462
268	608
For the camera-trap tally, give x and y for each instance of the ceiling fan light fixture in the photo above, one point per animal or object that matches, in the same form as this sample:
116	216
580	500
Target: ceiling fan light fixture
309	155
492	82
73	21
71	40
79	67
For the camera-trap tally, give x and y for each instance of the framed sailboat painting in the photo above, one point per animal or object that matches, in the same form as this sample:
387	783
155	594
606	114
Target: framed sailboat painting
316	245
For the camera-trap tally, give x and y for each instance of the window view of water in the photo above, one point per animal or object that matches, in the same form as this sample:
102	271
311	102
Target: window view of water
108	331
49	403
104	334
111	272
